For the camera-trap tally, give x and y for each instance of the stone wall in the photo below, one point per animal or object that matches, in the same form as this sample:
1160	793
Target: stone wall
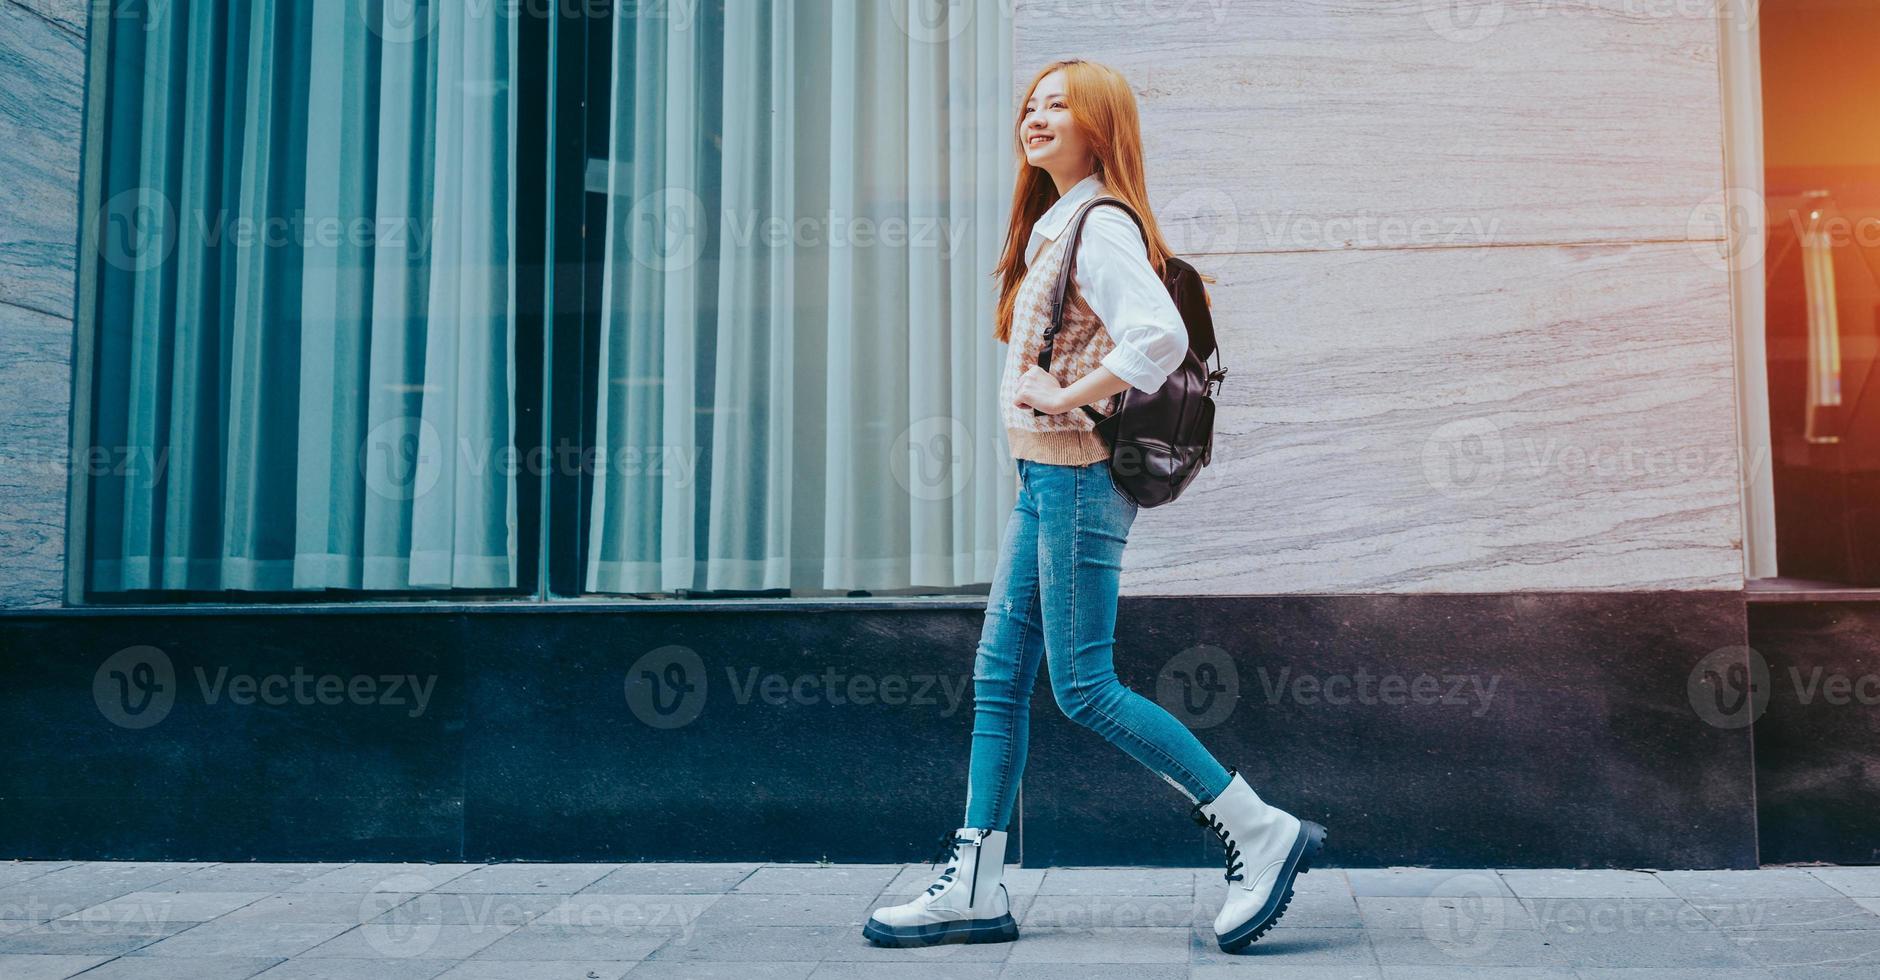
1472	293
42	90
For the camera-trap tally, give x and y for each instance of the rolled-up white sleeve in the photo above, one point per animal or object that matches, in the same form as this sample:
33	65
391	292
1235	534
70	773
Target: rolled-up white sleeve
1115	278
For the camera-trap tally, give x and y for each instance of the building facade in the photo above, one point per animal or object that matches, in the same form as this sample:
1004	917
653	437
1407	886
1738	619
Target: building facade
1491	568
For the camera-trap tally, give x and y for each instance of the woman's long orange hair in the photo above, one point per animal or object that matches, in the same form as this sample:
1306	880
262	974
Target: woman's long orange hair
1104	111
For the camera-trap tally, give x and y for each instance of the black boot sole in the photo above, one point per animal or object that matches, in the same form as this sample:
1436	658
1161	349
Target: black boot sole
1305	850
999	930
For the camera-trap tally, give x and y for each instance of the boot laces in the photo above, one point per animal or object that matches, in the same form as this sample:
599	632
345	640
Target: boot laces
1226	838
949	852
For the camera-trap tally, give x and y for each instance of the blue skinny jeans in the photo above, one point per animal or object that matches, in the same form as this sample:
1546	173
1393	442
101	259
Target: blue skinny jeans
1054	596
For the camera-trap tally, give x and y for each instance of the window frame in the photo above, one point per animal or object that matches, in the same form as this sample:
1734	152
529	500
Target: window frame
1739	53
534	75
564	92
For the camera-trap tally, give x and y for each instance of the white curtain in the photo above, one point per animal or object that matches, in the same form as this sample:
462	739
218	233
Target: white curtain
798	378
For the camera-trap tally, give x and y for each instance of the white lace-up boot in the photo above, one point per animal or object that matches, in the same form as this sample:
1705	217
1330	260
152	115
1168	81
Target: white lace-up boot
967	904
1266	848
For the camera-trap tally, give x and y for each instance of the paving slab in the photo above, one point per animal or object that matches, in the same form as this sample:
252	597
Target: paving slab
40	967
384	877
1486	973
1616	916
15	872
1791	913
1788	951
179	968
748	921
1717	886
1547	883
1268	970
1852	882
747	909
329	969
906	971
546	970
463	908
1102	945
334	907
668	879
1596	973
1684	949
670	912
1442	915
780	970
1015	970
1419	882
1110	912
59	938
250	877
760	944
538	942
1464	948
256	939
154	907
526	879
810	879
74	889
1118	881
377	941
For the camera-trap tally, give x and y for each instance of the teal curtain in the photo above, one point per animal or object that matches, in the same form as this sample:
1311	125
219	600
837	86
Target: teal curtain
799	383
306	319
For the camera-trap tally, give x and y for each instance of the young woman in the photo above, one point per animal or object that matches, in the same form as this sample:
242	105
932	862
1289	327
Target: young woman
1054	591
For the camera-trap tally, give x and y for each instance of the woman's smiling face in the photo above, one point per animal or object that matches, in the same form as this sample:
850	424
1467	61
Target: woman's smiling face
1049	135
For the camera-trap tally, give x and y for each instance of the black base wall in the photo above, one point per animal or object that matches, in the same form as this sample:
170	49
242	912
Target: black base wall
1536	730
1818	731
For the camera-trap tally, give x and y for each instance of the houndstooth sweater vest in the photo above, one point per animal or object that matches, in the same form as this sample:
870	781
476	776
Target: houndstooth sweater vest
1068	439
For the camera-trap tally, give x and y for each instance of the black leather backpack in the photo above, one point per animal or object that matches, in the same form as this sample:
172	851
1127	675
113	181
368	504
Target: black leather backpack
1158	442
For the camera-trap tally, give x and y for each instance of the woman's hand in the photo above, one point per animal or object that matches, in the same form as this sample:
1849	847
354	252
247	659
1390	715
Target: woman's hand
1038	389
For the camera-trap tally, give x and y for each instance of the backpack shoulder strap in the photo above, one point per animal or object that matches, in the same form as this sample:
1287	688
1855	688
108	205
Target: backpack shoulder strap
1067	272
1075	233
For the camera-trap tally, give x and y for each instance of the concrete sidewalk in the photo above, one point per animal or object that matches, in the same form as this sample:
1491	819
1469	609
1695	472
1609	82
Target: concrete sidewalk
751	921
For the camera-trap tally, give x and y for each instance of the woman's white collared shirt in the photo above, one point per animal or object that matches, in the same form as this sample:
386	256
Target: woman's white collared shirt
1115	278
